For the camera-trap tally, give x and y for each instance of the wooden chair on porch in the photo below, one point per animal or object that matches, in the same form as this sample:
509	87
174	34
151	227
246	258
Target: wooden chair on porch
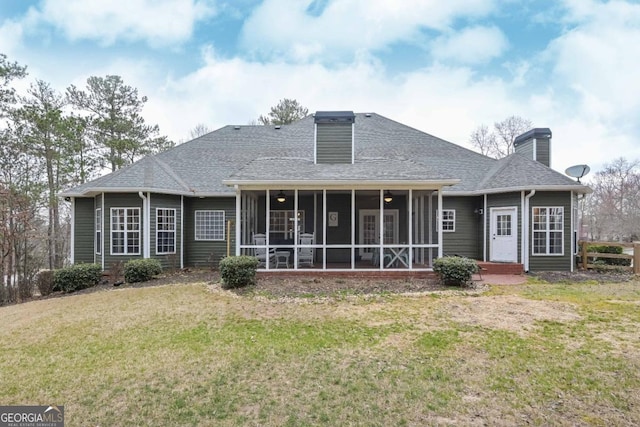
262	253
305	255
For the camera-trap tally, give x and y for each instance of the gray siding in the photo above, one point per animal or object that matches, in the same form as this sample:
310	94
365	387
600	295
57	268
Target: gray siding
83	230
542	151
552	262
525	149
504	200
165	201
334	143
200	253
117	200
466	240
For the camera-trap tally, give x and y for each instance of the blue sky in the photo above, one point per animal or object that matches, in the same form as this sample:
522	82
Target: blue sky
444	67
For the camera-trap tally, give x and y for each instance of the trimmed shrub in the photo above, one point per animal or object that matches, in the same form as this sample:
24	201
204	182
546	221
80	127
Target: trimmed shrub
76	277
455	270
44	281
238	271
604	249
141	270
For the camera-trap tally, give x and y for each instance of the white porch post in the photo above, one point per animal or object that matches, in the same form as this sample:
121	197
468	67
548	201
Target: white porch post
353	228
238	219
324	229
381	230
267	223
410	221
439	216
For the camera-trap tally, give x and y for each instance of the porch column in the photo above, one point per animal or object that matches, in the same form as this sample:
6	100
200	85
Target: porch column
238	219
381	229
439	228
410	221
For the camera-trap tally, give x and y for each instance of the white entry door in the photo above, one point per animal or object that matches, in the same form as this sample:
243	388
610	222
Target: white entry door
370	229
504	235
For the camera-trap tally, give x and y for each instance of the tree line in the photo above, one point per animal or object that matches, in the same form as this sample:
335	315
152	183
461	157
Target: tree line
50	141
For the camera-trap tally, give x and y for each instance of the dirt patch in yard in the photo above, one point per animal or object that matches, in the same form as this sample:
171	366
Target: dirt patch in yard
584	276
321	287
508	312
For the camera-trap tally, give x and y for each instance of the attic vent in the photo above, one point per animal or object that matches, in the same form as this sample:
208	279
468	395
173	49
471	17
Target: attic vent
334	136
236	127
277	127
367	114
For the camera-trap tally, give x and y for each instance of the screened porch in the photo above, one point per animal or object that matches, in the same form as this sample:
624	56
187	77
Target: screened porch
339	229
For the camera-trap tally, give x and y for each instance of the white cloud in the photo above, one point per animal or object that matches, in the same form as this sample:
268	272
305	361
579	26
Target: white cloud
285	28
473	45
158	22
10	37
594	67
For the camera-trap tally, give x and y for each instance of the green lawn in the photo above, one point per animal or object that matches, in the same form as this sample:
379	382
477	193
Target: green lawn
536	354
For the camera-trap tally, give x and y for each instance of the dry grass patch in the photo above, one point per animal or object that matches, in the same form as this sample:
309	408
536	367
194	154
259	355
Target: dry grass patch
508	312
196	355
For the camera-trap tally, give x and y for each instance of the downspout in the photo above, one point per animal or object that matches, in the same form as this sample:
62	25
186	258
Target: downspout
238	221
145	227
181	232
525	236
73	231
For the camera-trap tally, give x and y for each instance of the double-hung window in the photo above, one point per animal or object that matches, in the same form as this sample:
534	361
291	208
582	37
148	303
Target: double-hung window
548	234
98	231
165	231
125	231
448	220
210	225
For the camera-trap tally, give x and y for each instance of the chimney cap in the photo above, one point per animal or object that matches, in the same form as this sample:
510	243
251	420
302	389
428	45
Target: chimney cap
535	133
334	117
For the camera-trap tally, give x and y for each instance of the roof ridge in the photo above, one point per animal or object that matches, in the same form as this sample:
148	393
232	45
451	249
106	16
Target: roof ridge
495	170
171	173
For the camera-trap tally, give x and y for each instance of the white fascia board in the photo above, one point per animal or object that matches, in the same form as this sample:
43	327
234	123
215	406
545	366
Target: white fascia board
92	191
343	184
97	190
583	190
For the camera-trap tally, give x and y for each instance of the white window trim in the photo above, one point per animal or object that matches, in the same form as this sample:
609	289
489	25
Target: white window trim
195	225
166	231
547	231
453	221
98	229
126	210
289	224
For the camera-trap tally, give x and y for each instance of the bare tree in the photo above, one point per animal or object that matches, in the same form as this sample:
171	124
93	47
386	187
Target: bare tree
483	139
498	143
199	130
613	209
287	111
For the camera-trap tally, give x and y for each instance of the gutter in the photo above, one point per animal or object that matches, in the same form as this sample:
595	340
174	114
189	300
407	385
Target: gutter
525	226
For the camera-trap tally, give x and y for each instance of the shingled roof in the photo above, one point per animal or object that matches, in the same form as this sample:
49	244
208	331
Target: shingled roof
385	151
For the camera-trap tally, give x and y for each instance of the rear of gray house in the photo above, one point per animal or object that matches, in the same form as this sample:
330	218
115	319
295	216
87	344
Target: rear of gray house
333	191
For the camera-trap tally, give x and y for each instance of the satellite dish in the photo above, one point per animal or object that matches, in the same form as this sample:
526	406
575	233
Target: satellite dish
577	171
